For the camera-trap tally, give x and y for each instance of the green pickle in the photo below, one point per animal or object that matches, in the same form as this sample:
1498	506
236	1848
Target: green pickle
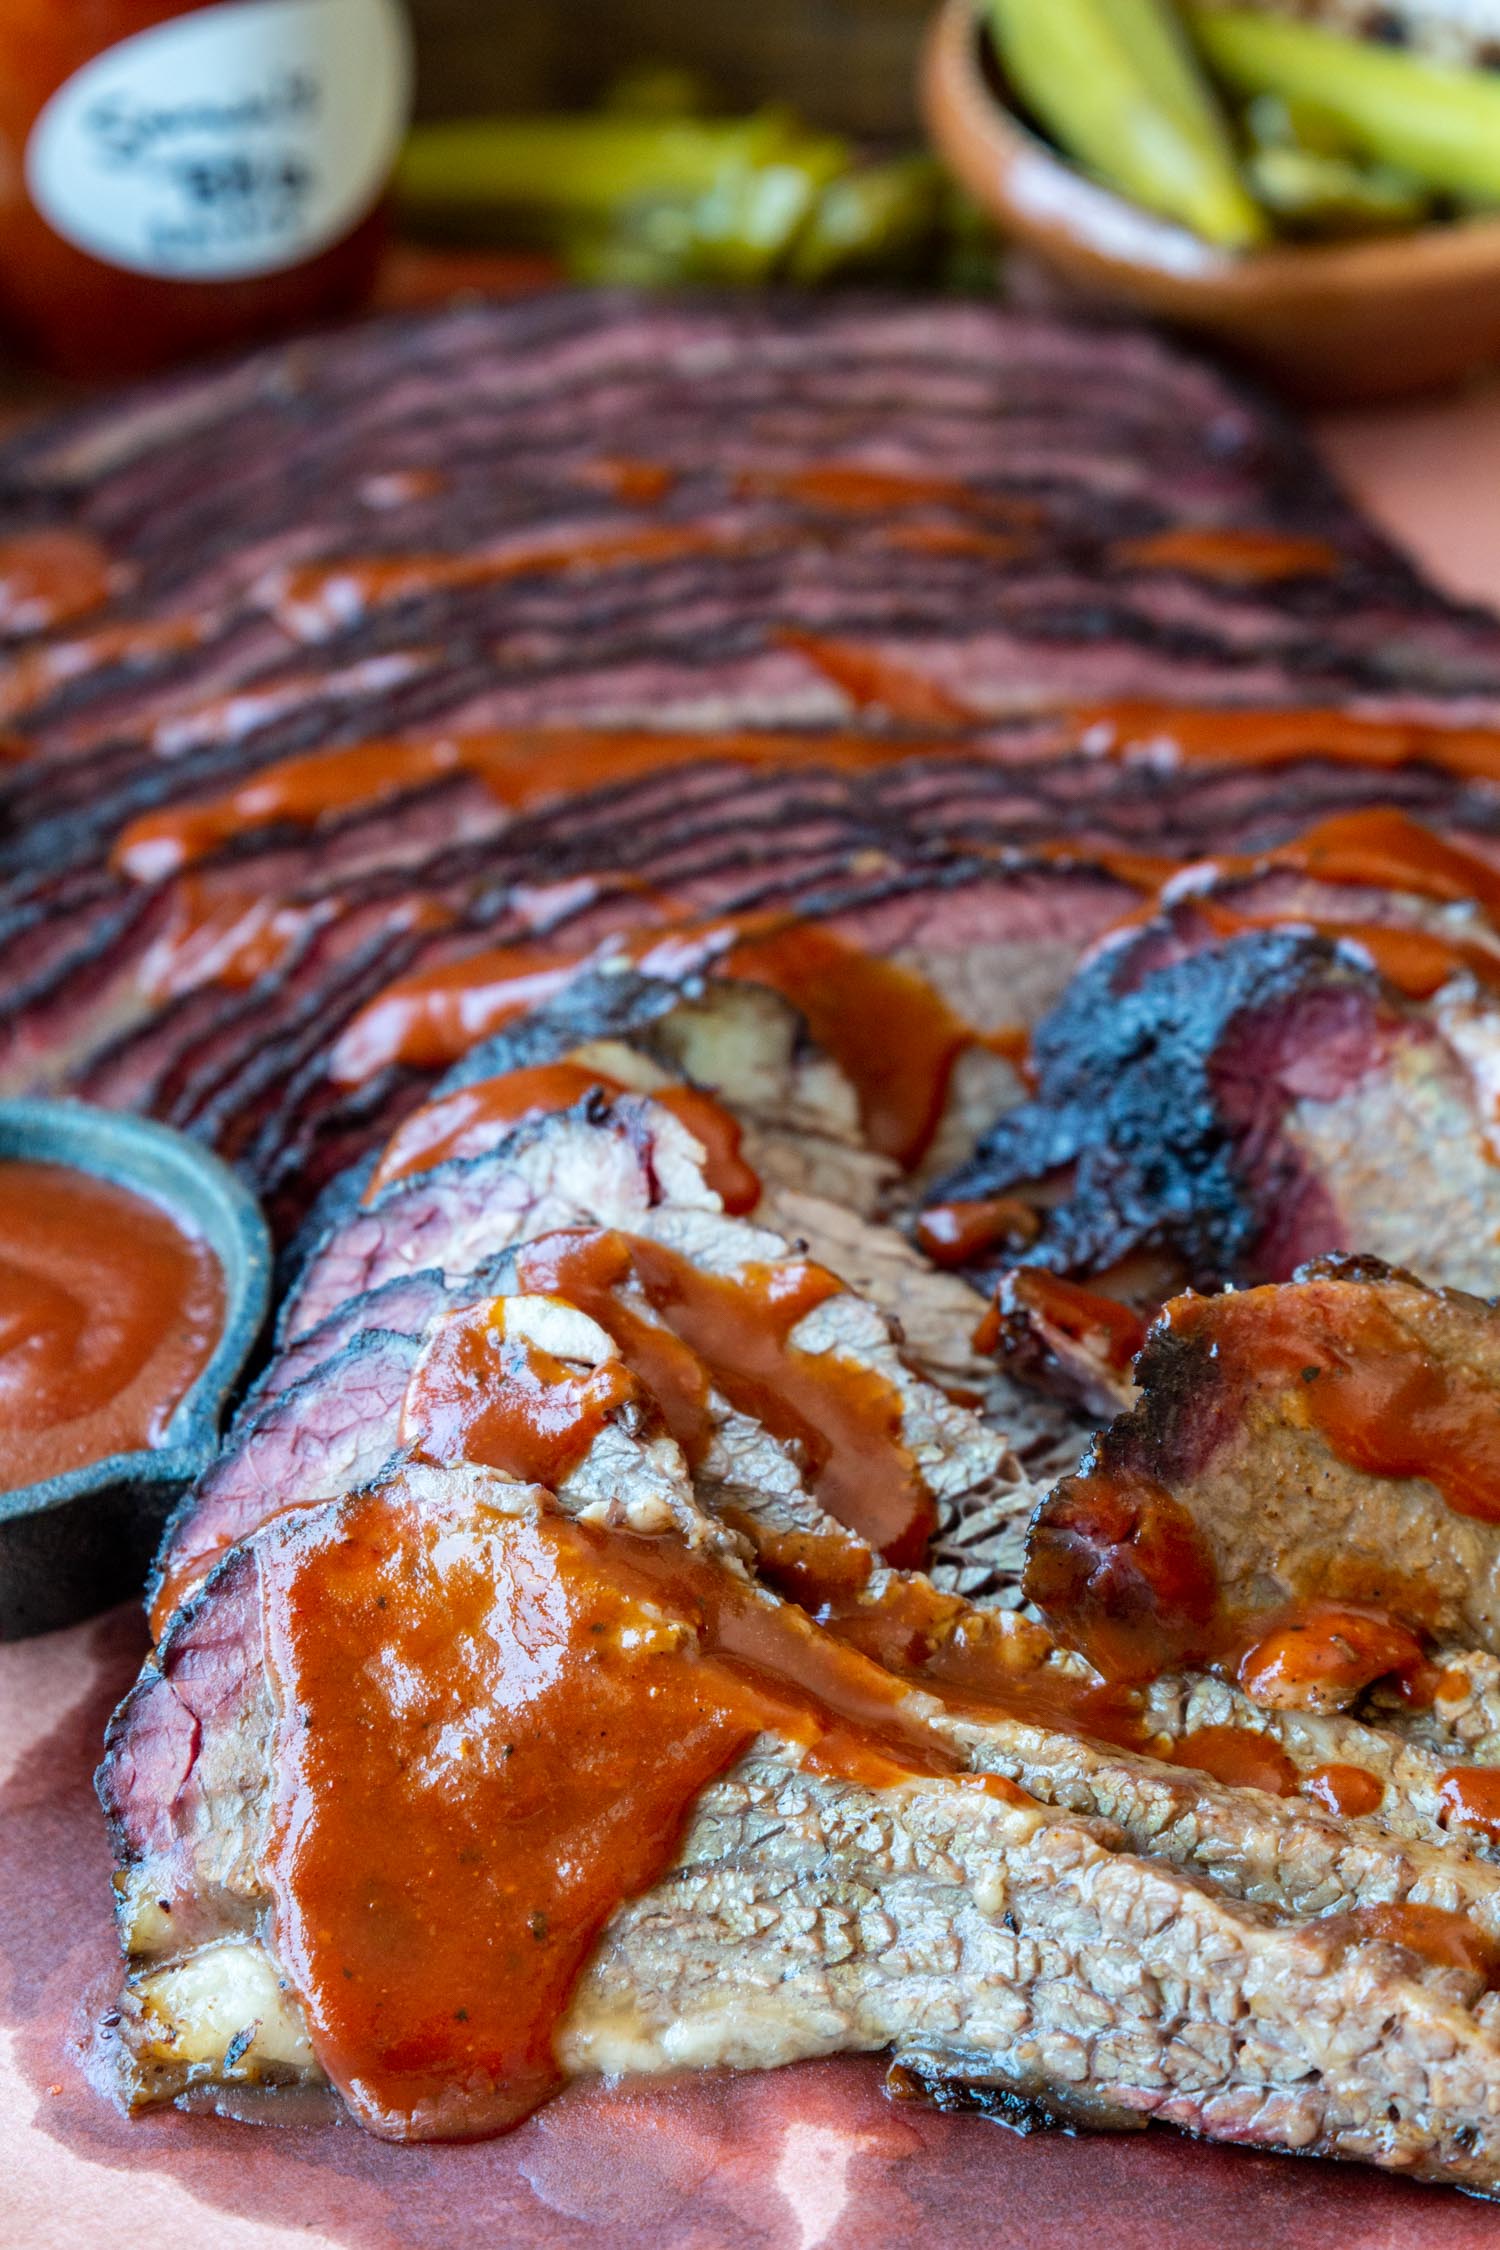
1437	123
1117	86
1330	195
643	194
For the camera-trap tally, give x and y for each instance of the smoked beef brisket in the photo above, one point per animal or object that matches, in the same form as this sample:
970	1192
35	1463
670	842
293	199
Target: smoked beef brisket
939	530
519	690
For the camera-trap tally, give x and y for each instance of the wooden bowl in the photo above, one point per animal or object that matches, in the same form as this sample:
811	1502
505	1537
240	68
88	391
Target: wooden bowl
1331	323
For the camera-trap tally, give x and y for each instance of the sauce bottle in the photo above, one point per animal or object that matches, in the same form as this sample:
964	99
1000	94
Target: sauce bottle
181	174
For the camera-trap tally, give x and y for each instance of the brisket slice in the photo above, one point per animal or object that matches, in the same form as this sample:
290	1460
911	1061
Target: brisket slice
1332	1438
1028	1948
241	1068
1113	433
551	1172
326	1431
341	1421
1232	1109
1032	416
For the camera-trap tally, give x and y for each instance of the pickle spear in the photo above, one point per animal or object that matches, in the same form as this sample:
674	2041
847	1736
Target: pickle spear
1329	195
1117	87
1434	121
645	198
585	167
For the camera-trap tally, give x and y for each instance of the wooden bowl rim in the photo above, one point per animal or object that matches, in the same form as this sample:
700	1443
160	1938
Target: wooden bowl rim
964	117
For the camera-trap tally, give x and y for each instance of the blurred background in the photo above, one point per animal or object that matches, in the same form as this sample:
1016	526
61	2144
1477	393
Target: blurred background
1309	186
850	64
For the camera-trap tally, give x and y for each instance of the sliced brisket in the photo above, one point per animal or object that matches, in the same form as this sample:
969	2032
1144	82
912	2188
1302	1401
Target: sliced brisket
1232	1109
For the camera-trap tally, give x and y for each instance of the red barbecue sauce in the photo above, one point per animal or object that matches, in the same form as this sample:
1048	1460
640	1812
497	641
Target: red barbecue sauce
519	770
49	576
1241	557
732	1333
1104	1326
30	675
109	1312
1383	1402
1470	1798
872	679
312	600
468	1121
1433	1933
1239	1757
856	488
1329	1651
955	1234
481	1394
1172	733
493	1732
1349	1790
639	484
892	1034
84	315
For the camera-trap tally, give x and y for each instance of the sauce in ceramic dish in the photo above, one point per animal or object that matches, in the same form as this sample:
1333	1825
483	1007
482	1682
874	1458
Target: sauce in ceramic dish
109	1311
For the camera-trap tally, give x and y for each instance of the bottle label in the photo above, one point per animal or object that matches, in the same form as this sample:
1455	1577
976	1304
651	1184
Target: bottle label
239	139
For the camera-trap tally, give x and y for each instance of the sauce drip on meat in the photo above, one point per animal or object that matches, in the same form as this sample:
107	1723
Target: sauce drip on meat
494	1730
1383	1401
1347	1790
873	679
1172	734
314	600
1389	851
51	574
639	484
891	1033
1104	1327
109	1311
956	1234
734	1333
1435	1934
481	1394
1417	963
29	676
1324	1655
1243	557
1239	1757
1470	1797
519	770
856	488
233	937
1125	1575
470	1120
225	939
434	1016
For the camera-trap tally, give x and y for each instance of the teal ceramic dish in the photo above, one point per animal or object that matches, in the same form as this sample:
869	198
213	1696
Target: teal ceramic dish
80	1542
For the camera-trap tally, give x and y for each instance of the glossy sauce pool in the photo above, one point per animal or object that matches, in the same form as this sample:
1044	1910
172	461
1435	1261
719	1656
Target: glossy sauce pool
109	1311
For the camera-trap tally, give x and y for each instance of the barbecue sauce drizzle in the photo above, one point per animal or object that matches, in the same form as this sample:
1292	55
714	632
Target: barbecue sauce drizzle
492	1736
1383	1403
493	1727
519	770
50	575
732	1333
1125	1574
891	1033
472	1118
